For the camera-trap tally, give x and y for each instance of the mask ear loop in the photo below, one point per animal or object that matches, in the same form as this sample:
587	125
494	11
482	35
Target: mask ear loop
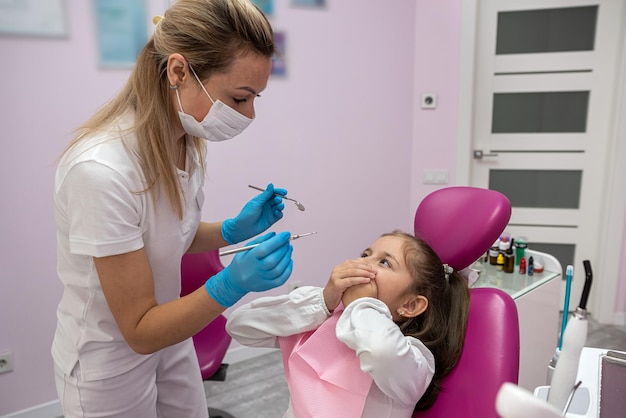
180	104
201	85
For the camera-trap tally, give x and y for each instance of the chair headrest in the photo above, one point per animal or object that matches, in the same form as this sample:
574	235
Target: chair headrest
461	223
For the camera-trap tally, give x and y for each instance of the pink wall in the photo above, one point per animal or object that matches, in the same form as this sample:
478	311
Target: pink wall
438	35
336	132
340	132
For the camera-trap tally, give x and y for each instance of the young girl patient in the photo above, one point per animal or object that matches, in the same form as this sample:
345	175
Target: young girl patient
375	342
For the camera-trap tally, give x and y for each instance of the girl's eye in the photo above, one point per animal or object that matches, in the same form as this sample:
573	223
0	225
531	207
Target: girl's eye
385	262
363	255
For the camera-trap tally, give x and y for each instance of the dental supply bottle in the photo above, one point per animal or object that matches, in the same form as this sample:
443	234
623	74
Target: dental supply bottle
493	252
509	260
500	262
531	266
521	243
522	266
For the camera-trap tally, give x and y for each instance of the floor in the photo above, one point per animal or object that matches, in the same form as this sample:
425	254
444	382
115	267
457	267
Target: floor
256	388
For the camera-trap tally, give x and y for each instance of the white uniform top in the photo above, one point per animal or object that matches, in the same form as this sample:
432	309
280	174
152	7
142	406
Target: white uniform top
400	366
100	211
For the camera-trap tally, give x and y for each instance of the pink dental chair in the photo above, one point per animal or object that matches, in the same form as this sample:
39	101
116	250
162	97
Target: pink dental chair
212	342
460	224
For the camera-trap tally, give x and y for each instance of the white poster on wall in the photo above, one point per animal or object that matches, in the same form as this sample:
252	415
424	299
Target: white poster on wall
121	31
33	18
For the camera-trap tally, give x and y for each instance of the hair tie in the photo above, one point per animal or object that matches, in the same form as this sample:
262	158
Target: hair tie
468	274
156	19
448	270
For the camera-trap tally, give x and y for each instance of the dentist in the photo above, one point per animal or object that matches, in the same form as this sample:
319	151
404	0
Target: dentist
128	198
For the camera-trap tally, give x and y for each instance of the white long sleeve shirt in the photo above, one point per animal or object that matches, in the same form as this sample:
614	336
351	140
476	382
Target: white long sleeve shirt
401	367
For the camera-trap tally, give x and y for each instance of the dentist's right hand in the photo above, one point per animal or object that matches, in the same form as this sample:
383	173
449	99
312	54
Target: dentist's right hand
262	268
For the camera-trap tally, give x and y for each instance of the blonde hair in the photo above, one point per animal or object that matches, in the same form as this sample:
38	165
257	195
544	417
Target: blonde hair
210	34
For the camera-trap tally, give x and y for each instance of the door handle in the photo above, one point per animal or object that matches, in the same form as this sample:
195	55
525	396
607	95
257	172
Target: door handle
479	154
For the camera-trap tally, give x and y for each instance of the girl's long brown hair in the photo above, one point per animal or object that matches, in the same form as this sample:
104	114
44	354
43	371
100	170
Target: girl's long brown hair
442	326
209	34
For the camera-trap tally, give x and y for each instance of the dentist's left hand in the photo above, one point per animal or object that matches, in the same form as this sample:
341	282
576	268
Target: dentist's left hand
261	212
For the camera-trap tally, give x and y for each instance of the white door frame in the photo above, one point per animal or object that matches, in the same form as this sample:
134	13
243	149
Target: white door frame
609	266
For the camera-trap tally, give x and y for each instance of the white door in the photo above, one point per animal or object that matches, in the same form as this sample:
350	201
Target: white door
543	101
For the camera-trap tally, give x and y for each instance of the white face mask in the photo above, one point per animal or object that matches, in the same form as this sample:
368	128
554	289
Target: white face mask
221	123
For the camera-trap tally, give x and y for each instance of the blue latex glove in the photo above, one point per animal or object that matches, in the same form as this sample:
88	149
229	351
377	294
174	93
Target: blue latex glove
257	215
262	268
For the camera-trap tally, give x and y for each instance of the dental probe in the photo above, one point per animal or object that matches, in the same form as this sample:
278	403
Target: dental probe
249	247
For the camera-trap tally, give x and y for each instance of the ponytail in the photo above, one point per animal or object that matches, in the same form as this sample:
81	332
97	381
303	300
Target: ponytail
448	336
441	327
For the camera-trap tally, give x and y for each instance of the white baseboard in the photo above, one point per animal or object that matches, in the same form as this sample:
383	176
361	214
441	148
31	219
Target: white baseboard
47	410
53	409
619	318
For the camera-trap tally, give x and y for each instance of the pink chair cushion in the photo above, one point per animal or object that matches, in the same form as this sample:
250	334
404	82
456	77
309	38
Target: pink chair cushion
461	223
211	345
490	357
195	269
212	342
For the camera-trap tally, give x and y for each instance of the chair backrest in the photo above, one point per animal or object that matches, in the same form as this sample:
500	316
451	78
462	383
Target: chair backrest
212	342
460	224
195	269
490	358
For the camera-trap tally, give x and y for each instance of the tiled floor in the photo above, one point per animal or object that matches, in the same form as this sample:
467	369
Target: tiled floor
254	388
606	336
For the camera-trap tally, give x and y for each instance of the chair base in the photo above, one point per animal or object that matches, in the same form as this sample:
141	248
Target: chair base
220	374
218	413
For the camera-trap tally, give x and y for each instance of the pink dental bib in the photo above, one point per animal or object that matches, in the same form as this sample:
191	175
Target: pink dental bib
323	374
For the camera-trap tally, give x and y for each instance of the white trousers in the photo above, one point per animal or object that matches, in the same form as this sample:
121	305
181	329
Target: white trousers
167	385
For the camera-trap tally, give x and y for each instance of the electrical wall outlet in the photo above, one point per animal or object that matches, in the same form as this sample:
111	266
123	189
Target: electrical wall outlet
429	101
6	362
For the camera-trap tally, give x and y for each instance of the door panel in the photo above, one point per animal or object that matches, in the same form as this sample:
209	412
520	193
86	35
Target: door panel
554	30
544	81
540	189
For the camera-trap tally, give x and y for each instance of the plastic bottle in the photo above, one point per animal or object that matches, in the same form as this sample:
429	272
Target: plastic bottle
504	245
522	266
521	243
500	262
531	266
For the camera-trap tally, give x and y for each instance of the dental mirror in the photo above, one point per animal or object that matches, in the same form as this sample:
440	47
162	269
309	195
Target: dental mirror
298	204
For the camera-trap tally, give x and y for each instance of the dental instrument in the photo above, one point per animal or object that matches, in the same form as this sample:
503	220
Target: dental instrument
298	204
569	274
574	338
570	397
249	247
